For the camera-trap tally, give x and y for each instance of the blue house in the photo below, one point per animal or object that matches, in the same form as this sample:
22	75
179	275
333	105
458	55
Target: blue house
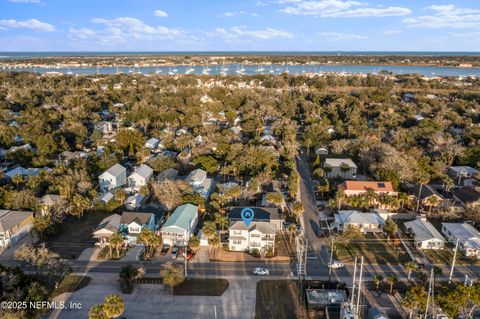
132	224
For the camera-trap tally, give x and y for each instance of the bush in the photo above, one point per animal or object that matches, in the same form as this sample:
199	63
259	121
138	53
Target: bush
255	252
270	253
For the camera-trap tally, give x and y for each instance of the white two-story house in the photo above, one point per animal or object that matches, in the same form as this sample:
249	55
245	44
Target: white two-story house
140	177
114	177
200	183
258	235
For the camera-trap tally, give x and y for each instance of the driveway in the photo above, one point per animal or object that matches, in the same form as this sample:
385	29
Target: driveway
155	301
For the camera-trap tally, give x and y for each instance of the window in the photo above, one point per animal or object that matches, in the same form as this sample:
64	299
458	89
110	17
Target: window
381	185
237	242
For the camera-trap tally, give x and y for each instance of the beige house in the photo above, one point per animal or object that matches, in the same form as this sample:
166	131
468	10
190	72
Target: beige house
107	227
356	188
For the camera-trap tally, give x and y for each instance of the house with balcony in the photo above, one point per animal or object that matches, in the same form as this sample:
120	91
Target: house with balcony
271	215
105	229
257	235
132	223
180	226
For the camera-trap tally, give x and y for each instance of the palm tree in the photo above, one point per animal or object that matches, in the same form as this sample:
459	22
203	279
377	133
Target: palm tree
17	179
292	229
113	306
115	242
377	279
327	169
297	209
423	178
97	312
410	267
194	243
432	202
344	167
209	229
172	275
120	195
392	280
128	275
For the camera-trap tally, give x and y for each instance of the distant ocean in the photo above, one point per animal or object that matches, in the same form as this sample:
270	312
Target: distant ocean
26	55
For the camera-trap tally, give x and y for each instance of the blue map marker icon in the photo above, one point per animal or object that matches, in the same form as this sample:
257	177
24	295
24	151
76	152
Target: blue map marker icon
247	215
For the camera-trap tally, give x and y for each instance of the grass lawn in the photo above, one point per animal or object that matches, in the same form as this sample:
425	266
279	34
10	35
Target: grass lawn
75	235
201	287
71	283
278	299
376	253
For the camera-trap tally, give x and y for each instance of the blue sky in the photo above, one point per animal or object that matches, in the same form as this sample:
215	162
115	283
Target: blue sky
216	25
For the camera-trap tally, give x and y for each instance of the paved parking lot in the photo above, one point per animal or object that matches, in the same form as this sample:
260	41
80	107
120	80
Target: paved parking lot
155	301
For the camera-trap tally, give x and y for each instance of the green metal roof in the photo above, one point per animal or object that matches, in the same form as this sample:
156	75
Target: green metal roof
182	216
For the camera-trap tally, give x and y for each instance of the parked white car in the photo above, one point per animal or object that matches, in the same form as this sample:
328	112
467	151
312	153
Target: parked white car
261	271
336	265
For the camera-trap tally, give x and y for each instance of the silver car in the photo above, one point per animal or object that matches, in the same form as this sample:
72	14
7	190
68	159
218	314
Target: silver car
261	271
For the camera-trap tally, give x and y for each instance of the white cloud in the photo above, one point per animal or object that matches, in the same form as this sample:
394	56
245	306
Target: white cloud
137	28
339	36
241	33
26	1
33	24
447	16
160	13
230	14
391	32
106	37
340	9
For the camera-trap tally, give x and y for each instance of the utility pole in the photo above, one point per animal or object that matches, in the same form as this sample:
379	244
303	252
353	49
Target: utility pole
360	278
301	257
353	282
430	284
330	266
453	262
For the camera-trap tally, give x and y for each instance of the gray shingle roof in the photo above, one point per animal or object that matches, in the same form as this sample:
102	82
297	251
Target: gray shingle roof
138	217
111	223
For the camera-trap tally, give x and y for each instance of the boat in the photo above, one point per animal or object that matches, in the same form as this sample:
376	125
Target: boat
240	70
206	70
271	69
69	72
260	69
190	71
158	71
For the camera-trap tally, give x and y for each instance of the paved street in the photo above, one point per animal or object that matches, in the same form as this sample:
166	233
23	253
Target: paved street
156	301
318	253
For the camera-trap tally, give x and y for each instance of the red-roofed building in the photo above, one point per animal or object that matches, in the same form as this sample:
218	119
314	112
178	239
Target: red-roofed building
355	188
